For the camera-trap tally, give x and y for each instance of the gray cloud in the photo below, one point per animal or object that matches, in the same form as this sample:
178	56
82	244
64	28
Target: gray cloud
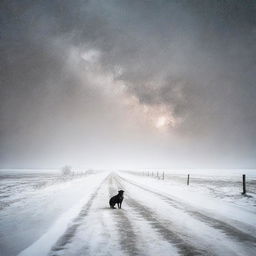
197	58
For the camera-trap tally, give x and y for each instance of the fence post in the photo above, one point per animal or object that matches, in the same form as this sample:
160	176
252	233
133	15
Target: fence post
244	185
157	174
163	175
188	180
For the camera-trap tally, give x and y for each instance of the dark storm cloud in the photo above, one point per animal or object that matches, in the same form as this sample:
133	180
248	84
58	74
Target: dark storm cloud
195	57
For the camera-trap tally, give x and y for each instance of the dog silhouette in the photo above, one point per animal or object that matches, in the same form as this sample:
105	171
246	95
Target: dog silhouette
118	199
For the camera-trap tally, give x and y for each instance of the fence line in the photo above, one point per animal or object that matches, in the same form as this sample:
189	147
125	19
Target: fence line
196	179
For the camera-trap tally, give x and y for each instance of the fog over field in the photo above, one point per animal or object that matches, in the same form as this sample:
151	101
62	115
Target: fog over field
127	84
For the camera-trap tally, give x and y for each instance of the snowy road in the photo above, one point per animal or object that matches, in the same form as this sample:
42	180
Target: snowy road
189	229
152	221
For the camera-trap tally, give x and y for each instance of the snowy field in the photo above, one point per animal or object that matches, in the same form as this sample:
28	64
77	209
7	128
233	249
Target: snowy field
44	213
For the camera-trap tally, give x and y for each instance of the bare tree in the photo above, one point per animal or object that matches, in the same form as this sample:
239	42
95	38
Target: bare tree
66	170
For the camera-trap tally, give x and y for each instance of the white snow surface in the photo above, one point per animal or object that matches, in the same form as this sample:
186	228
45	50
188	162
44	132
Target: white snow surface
46	214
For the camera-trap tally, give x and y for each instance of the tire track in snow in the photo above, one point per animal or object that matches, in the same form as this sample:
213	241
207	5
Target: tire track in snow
97	234
125	228
67	237
184	248
226	228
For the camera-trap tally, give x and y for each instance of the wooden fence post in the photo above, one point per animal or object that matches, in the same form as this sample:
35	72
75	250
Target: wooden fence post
244	184
188	180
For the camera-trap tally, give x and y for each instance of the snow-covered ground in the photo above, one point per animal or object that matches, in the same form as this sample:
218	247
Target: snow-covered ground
223	184
32	203
46	214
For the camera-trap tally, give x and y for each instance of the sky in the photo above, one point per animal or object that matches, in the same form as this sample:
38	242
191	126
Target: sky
128	84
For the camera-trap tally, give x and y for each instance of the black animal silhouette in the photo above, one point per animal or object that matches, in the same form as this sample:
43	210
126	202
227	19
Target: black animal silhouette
118	199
